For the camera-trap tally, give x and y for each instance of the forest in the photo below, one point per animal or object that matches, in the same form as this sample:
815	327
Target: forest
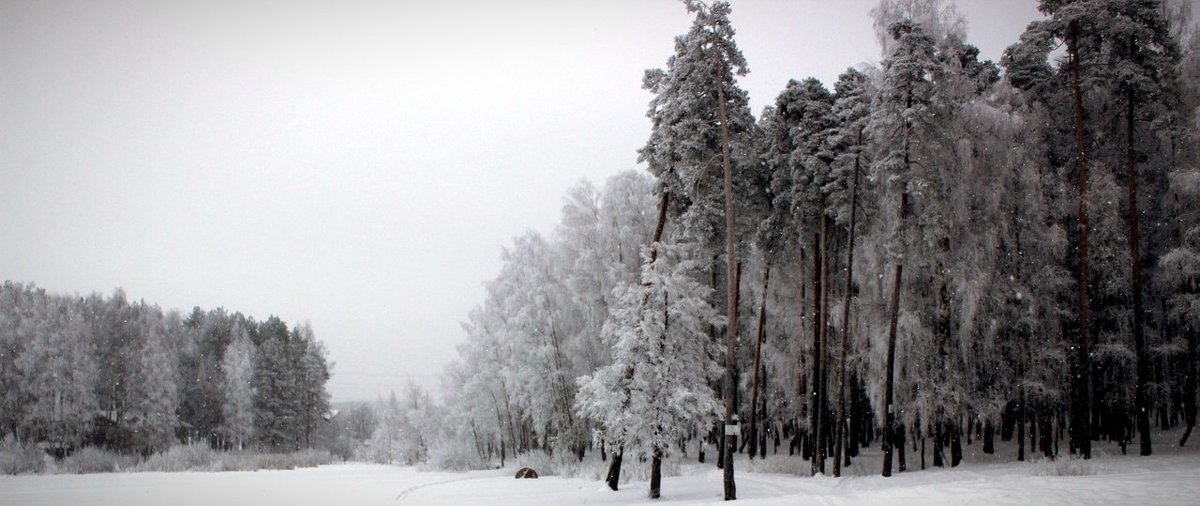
936	251
933	252
130	378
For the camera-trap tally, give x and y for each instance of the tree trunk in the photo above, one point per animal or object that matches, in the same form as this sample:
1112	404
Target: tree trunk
989	437
1081	430
1135	259
730	262
656	473
956	449
766	419
1046	434
841	422
1021	433
889	412
856	421
1189	386
889	409
889	420
761	334
939	460
826	436
613	478
815	403
922	451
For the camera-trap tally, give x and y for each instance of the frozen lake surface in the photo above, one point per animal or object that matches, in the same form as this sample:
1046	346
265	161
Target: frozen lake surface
1173	478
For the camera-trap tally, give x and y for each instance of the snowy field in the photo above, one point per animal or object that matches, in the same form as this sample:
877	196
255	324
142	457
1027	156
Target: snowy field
1172	477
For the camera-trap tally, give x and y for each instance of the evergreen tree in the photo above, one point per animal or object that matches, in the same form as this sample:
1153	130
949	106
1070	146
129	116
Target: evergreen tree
1073	22
1144	57
656	391
276	407
312	372
851	110
806	114
699	117
155	396
902	110
201	374
114	324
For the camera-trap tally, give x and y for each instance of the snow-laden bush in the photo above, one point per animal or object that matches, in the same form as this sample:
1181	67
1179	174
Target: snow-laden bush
454	457
20	458
193	457
777	464
199	457
1065	466
95	460
280	461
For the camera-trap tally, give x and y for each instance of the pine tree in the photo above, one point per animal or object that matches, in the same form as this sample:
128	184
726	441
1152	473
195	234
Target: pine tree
200	370
312	371
276	410
1073	21
114	323
656	391
901	108
850	110
1179	268
155	396
1141	51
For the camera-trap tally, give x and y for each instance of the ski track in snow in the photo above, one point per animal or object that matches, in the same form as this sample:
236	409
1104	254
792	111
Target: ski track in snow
406	492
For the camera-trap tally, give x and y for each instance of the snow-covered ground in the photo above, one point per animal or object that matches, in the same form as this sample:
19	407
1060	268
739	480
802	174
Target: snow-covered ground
1171	477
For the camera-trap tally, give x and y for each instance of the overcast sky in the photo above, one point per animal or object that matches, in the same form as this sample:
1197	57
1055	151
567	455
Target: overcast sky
355	164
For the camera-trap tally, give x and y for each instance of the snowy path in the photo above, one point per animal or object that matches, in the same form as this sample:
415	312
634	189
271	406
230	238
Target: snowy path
1124	480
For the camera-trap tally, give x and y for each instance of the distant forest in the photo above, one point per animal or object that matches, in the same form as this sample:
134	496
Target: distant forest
131	378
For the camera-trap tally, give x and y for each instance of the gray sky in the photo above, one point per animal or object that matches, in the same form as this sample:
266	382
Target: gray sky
357	164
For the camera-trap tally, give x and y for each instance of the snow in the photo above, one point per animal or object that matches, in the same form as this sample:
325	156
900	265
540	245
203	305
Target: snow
1110	478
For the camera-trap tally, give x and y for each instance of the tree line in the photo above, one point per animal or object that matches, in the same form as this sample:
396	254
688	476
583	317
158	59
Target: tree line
132	378
940	249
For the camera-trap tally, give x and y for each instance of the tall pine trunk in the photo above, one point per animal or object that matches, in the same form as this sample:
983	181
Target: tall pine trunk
889	409
1081	425
825	435
1135	260
815	414
889	418
841	422
731	296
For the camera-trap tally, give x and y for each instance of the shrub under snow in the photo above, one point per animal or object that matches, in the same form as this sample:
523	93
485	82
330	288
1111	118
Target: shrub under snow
20	458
